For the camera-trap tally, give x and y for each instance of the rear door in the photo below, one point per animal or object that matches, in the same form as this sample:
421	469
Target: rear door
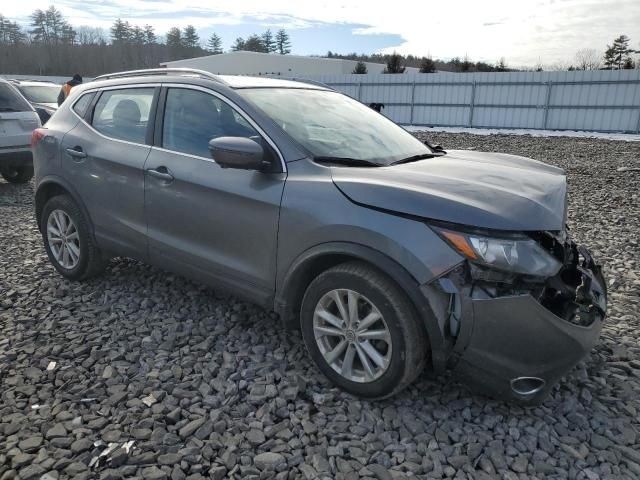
216	224
17	120
103	157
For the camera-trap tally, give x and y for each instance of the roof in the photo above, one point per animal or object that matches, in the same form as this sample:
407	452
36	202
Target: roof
263	54
238	81
32	83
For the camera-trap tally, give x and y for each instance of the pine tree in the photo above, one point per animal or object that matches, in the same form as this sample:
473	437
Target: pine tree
360	68
149	35
283	43
269	42
621	51
138	36
120	31
214	44
190	38
39	29
609	58
502	66
394	64
427	65
254	44
174	38
238	45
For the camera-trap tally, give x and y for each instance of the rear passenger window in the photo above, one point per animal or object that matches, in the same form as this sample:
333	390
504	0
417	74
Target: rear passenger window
11	100
81	105
192	118
124	114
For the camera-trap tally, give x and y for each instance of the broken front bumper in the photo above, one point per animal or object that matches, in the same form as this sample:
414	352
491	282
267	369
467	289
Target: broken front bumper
516	346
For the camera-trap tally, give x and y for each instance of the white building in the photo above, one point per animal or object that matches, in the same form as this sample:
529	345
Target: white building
255	63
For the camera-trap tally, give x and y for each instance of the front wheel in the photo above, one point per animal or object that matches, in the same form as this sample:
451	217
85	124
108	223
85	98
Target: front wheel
17	174
362	331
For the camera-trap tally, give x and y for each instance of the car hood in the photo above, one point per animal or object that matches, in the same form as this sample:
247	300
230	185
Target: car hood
48	106
486	190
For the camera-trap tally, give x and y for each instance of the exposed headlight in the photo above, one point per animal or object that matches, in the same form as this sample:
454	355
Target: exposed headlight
517	255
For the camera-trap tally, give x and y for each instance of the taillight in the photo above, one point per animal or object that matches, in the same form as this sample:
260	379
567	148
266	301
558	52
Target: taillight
37	135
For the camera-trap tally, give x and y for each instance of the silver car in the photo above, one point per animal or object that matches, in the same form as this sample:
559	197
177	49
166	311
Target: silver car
43	96
18	119
390	254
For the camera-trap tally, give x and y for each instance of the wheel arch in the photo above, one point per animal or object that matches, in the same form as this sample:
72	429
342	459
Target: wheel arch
51	186
309	264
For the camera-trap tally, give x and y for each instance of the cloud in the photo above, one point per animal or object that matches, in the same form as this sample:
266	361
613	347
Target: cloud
523	31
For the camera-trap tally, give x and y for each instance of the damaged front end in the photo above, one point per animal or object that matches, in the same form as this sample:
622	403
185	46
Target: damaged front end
513	334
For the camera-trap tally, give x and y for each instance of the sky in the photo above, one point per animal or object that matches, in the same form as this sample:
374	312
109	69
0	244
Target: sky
523	32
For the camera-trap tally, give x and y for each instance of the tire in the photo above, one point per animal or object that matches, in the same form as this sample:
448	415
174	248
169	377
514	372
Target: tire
89	260
401	350
17	174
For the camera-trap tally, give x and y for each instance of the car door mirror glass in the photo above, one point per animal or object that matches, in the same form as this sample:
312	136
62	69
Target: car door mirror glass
237	152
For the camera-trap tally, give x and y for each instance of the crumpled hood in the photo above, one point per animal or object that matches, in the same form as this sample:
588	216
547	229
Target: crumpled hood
480	189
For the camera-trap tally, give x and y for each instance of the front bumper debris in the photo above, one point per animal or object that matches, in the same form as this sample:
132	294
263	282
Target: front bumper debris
516	341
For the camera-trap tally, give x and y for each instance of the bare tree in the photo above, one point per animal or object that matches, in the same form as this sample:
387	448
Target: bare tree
587	59
88	35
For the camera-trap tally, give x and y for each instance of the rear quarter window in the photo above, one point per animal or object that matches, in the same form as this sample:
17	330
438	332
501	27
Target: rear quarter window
82	104
11	100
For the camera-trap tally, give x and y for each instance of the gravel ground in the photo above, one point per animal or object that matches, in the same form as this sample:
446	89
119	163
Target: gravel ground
143	373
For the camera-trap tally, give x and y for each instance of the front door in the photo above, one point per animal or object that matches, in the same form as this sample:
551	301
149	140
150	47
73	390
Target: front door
218	225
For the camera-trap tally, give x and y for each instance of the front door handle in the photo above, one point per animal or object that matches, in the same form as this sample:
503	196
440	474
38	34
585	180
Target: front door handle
161	173
76	152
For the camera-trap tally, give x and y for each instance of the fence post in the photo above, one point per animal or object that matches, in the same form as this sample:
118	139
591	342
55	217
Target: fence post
359	89
546	105
413	96
638	126
473	101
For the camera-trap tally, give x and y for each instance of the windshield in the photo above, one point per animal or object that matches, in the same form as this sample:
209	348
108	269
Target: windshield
40	93
331	125
11	101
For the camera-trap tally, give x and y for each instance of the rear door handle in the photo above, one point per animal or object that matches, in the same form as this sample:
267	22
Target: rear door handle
161	173
76	152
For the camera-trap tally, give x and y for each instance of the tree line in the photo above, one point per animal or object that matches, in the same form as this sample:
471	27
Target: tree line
617	56
50	45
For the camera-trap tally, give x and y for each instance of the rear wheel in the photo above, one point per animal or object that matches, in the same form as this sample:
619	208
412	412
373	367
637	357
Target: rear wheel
362	331
68	241
17	174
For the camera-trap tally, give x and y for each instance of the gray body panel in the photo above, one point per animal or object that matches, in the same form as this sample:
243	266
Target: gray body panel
315	212
110	180
219	224
487	190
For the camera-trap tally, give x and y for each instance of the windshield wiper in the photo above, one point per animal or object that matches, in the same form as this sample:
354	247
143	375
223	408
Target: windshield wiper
422	156
346	161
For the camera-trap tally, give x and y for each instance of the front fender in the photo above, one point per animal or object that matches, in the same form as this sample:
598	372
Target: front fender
290	290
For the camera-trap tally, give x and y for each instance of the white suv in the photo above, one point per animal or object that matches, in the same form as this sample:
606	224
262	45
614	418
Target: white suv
17	120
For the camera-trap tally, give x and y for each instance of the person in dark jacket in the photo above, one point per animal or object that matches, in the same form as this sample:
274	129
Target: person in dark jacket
66	88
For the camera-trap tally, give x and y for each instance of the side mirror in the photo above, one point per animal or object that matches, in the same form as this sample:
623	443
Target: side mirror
435	148
237	152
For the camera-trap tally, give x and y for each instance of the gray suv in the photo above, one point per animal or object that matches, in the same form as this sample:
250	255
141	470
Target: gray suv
390	254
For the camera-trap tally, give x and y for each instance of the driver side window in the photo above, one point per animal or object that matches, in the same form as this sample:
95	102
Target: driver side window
192	118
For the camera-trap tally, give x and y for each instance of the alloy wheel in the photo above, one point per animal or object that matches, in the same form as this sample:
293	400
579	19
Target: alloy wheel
352	335
63	238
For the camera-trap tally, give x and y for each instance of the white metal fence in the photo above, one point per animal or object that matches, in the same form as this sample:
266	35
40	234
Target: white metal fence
600	101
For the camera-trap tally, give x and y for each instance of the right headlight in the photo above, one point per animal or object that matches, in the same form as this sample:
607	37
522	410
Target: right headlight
520	255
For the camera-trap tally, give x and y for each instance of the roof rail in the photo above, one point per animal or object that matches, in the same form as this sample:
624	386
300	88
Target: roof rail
162	71
312	82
